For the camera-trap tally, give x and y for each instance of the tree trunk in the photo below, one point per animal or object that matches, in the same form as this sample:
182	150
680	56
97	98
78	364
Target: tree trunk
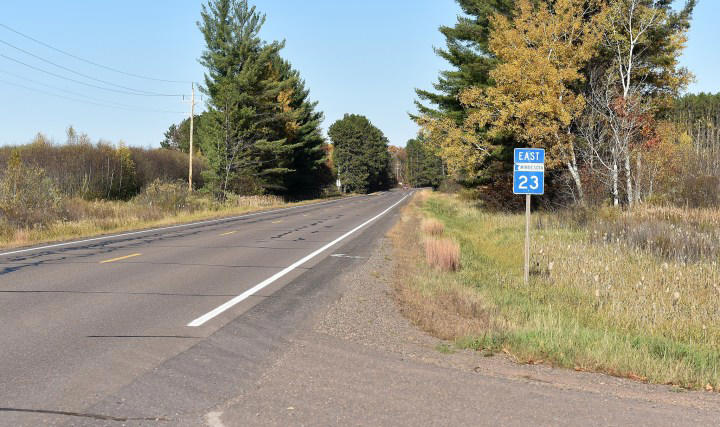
576	177
628	179
638	177
616	197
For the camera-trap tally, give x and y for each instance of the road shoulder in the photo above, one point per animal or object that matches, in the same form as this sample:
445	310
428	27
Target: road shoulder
362	362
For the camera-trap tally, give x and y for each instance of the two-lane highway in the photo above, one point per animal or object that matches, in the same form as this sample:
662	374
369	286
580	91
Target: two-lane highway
81	320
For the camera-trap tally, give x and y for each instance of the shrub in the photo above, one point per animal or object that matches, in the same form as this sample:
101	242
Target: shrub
432	227
79	209
262	201
164	197
28	198
443	254
449	186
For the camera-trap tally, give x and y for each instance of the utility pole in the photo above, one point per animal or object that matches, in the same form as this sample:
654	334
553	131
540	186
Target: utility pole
192	130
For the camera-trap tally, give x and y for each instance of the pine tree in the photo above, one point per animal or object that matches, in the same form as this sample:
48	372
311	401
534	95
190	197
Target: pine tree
301	129
238	136
468	52
177	137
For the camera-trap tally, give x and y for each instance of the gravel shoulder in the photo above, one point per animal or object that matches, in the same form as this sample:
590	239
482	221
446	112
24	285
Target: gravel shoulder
361	362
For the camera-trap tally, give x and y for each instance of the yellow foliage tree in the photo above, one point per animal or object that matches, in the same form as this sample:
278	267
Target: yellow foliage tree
461	148
542	52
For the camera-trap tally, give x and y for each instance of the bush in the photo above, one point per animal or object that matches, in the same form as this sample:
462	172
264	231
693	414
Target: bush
79	209
165	197
28	198
262	201
443	254
449	186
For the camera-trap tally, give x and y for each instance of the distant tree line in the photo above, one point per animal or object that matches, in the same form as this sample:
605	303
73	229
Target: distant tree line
424	167
360	154
699	117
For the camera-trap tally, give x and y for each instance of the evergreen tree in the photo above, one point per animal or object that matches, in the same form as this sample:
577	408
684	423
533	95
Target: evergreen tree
177	137
360	154
238	135
468	52
300	128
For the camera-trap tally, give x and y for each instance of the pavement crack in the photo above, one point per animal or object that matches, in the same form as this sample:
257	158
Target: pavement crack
83	415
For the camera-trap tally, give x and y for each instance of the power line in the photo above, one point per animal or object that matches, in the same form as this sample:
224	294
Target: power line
85	101
140	92
87	60
79	81
95	100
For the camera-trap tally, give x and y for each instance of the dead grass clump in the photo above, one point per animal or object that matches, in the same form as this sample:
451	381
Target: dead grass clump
432	227
443	254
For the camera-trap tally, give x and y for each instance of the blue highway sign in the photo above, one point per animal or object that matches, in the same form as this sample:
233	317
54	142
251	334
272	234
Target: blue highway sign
529	171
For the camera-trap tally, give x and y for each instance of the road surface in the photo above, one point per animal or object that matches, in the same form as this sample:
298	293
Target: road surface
83	321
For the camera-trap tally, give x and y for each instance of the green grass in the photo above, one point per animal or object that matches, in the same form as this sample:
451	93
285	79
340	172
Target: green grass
444	349
607	307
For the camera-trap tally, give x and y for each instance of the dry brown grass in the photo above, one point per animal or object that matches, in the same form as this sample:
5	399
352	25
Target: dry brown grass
440	307
443	254
432	227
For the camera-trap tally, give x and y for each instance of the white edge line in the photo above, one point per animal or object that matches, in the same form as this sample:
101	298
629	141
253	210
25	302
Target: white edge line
232	218
243	296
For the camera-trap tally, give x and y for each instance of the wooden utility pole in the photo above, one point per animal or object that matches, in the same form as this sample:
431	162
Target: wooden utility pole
192	130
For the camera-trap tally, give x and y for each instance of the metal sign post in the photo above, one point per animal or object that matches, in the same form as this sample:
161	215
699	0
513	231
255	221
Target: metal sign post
528	179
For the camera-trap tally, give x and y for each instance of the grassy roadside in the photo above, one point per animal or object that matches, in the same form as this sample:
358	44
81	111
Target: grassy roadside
85	219
600	298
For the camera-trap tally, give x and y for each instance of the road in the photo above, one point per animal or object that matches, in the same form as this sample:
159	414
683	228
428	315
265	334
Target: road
276	318
89	321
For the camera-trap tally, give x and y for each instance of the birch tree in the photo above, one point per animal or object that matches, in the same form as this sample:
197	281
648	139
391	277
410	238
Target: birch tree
643	41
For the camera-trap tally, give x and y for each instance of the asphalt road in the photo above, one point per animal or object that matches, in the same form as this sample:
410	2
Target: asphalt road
133	328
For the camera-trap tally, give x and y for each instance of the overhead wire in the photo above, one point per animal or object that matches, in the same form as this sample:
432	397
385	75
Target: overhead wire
62	67
60	76
91	102
79	95
87	61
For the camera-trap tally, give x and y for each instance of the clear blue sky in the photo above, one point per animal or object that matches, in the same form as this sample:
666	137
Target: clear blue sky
360	57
